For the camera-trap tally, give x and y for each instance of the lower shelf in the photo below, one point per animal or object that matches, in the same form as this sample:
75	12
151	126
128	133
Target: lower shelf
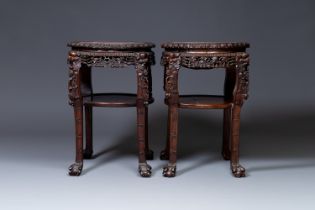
112	100
203	102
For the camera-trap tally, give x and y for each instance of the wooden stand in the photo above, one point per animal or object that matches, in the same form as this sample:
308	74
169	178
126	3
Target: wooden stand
85	55
193	55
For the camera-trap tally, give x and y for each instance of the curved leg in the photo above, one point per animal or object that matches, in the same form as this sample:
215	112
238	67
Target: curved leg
226	134
144	168
165	153
148	153
237	169
170	169
76	168
88	151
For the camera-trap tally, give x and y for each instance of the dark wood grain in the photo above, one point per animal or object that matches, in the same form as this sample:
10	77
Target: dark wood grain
203	102
112	100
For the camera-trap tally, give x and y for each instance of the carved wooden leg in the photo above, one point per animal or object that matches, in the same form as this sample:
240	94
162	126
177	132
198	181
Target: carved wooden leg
170	169
76	168
226	134
237	169
165	153
144	168
148	152
88	152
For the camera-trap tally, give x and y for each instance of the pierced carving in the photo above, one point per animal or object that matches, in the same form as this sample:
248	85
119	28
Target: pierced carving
172	65
207	62
73	84
145	170
75	169
169	170
142	61
109	61
243	78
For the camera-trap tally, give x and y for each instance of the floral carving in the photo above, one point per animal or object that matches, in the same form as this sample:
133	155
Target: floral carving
172	65
243	77
144	74
207	62
73	84
142	61
109	61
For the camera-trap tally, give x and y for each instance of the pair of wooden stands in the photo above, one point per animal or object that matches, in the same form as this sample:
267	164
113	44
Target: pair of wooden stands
192	55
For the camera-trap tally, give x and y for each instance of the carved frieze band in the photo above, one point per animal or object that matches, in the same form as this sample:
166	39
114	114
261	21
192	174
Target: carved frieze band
207	62
111	59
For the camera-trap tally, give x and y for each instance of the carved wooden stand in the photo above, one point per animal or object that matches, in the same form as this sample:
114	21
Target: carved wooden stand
85	55
194	55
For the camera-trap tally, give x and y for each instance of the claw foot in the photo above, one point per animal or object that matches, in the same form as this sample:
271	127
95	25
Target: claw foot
164	155
169	170
238	170
149	155
75	169
144	170
87	154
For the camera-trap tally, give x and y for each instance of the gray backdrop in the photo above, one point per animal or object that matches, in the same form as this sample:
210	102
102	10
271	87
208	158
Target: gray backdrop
36	124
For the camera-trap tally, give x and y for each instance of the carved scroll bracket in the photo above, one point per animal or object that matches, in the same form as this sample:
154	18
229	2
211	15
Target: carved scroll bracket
142	67
242	62
74	62
171	62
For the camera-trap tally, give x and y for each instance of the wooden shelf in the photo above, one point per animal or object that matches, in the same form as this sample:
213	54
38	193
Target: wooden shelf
112	100
203	102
